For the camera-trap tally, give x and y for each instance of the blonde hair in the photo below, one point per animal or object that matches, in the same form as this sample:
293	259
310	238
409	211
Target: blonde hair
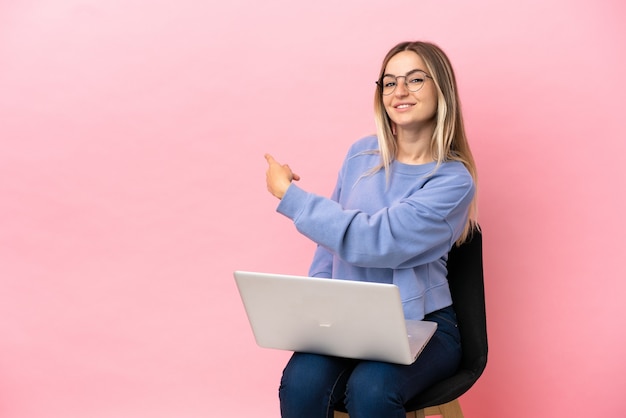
449	142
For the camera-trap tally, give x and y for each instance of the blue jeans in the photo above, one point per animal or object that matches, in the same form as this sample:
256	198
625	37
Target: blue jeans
312	383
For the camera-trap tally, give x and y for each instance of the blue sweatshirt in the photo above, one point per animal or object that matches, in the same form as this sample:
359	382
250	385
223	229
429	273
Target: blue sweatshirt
398	232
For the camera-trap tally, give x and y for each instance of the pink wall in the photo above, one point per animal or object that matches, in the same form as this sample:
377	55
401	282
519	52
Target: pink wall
132	135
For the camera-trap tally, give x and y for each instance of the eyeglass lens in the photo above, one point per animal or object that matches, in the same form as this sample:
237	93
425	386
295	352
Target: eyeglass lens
413	82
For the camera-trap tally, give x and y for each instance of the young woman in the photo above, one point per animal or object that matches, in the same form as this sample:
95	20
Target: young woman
402	199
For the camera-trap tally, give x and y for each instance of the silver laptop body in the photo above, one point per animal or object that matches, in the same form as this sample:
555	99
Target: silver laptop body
341	318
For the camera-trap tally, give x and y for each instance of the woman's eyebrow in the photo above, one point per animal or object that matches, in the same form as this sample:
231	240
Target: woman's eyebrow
415	70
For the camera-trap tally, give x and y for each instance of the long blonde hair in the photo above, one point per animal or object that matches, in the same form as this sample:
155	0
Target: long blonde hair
449	142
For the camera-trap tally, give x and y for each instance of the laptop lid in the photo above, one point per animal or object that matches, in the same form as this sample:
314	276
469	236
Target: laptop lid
342	318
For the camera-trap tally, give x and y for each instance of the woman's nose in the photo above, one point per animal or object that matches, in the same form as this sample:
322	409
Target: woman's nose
401	87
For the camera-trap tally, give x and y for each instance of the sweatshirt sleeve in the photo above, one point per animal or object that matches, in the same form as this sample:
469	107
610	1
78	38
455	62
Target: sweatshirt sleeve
322	264
418	229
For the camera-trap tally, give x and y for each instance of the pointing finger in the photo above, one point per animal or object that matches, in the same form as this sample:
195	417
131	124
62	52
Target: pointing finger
269	159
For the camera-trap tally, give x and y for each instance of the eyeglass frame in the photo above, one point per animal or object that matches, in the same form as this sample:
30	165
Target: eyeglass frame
380	84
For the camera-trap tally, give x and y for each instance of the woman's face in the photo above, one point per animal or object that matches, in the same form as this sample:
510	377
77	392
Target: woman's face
410	110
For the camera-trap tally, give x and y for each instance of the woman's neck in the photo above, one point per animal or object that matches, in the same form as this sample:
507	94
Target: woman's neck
414	147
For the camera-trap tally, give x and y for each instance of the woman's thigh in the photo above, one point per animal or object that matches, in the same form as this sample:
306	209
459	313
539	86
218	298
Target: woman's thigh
373	379
382	389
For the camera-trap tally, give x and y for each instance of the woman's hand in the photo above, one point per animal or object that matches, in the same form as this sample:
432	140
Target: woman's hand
278	177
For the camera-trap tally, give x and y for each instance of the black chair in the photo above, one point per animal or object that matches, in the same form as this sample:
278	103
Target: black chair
465	275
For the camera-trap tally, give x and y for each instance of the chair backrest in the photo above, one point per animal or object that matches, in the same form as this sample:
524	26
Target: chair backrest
465	277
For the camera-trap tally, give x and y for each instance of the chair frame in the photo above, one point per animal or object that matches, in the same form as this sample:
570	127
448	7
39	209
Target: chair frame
466	280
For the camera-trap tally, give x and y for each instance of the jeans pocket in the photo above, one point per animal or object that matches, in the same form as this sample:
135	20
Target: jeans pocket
445	318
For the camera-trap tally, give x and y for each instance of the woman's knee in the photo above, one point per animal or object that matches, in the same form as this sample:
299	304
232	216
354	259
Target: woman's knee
300	378
373	386
310	379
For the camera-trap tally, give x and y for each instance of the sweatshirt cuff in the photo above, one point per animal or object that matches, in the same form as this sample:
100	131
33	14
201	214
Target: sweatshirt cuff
292	202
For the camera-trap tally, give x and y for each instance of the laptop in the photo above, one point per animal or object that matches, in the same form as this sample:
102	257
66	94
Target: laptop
342	318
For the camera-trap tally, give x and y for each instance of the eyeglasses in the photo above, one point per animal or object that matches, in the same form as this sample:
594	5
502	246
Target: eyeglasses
413	80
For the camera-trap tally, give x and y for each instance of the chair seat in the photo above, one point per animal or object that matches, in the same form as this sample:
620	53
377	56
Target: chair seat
445	391
447	410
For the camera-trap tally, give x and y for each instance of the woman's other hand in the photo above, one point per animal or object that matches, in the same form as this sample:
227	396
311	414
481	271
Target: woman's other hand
278	177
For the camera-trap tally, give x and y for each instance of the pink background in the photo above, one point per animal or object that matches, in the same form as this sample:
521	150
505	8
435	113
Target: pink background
132	185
